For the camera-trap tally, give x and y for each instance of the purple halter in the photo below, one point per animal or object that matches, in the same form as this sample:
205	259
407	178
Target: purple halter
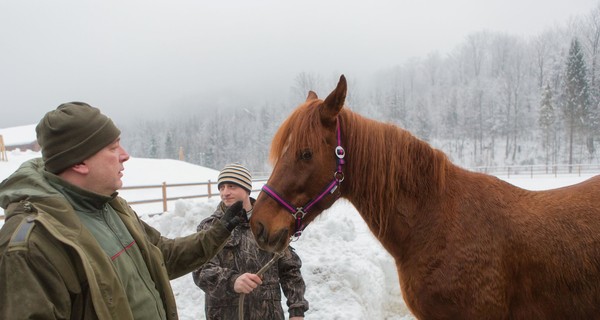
300	212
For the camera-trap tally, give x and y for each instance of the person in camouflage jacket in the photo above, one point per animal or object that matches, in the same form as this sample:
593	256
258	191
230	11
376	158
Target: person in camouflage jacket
232	271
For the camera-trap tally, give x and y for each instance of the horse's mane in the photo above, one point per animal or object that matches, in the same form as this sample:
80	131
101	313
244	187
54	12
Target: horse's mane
400	167
395	157
389	162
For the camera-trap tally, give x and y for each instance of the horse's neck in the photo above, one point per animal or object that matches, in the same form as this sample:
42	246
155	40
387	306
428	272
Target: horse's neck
389	182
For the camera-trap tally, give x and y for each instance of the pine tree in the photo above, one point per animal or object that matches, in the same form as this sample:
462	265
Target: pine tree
576	102
547	120
170	148
153	148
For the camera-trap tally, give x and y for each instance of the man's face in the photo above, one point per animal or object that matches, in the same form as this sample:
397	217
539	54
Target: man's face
232	193
105	169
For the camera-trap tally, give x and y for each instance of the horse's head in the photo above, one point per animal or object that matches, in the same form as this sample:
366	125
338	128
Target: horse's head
306	173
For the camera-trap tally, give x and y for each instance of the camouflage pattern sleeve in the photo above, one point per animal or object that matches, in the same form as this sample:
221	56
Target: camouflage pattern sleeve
213	279
292	283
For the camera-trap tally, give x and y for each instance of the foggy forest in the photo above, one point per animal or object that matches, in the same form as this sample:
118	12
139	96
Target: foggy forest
494	100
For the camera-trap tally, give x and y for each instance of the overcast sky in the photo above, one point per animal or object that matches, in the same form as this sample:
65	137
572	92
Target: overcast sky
149	59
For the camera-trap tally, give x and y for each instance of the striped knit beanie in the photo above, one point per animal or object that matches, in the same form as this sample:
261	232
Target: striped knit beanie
237	174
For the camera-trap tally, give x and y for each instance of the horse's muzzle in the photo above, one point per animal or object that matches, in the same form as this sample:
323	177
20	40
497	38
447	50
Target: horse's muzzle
272	242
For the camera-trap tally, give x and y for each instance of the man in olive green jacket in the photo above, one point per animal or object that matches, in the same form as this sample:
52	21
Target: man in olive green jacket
70	248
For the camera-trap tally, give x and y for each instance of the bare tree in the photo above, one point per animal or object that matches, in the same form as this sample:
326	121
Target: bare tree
303	83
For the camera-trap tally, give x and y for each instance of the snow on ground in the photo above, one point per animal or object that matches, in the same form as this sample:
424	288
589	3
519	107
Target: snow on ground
348	273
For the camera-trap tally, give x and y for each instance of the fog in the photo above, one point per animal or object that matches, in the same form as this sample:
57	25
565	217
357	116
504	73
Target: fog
154	59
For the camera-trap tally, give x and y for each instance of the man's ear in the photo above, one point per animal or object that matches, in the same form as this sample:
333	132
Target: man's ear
80	168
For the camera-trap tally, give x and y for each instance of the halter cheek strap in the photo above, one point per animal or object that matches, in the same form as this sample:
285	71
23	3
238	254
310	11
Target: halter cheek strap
300	212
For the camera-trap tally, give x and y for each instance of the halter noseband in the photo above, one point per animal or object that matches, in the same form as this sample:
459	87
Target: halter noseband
338	177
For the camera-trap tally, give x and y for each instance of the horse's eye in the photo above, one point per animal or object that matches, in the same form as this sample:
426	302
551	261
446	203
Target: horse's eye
306	154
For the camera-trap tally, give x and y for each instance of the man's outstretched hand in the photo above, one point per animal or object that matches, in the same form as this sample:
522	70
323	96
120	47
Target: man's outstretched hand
234	215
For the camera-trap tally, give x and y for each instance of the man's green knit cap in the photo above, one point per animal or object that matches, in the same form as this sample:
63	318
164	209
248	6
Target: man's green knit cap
72	133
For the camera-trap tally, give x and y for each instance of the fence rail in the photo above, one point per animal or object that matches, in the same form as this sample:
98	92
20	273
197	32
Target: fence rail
163	187
536	170
165	198
206	188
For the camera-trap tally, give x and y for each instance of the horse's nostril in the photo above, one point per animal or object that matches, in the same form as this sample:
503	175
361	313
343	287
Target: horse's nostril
261	237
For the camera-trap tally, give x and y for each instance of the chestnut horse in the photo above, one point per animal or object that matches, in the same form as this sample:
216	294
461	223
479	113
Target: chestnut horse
466	245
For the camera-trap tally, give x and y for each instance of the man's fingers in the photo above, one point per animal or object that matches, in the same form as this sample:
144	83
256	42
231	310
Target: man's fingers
248	282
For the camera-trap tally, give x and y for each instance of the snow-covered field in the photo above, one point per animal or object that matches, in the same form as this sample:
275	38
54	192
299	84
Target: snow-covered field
348	274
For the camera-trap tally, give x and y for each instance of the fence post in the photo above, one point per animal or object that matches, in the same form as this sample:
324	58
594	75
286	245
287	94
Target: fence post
209	189
3	156
531	168
181	156
164	194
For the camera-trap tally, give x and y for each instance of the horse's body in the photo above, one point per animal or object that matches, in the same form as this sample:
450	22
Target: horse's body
466	245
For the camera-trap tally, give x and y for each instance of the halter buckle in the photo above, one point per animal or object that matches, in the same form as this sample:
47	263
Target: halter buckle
300	213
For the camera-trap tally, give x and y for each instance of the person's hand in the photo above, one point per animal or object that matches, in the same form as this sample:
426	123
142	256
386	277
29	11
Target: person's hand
296	318
234	215
246	283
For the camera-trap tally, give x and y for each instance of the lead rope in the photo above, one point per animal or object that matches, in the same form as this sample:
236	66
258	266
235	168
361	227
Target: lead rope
260	272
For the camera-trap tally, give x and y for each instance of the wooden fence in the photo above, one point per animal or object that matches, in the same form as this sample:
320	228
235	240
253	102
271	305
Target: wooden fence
210	187
144	193
141	194
538	170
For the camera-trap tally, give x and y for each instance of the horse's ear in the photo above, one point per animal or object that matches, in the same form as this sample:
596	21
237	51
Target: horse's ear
311	96
334	101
